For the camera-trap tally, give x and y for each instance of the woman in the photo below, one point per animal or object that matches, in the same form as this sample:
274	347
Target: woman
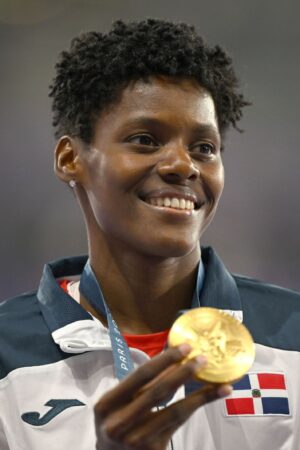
140	116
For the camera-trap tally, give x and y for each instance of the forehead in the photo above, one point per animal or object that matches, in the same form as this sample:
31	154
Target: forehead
181	102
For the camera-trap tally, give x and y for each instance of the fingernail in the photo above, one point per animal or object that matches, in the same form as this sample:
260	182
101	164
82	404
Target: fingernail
184	349
200	360
225	390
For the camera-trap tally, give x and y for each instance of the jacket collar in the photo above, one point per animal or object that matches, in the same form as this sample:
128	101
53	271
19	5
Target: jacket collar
67	320
219	289
57	307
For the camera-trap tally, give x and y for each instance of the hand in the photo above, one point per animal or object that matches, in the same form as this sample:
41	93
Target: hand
125	419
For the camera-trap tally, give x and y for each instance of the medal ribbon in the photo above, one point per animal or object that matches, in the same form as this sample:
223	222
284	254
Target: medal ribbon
91	290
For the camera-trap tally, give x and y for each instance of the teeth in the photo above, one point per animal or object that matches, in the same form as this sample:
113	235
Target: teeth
176	203
182	203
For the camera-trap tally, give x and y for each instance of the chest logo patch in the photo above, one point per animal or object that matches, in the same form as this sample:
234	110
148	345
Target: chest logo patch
57	407
259	394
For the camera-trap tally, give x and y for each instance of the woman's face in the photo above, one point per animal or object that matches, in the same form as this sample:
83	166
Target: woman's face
153	173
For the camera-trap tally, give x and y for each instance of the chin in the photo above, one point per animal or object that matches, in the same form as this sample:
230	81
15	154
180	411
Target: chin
171	248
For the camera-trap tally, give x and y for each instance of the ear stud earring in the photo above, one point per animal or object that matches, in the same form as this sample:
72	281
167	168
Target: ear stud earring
72	183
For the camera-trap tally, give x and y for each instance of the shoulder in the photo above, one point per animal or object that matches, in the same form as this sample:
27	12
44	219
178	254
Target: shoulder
17	309
255	292
266	291
272	313
25	333
25	340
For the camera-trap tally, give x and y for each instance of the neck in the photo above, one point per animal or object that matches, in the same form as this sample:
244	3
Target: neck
143	294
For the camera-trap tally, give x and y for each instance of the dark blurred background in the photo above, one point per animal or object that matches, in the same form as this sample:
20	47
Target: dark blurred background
256	230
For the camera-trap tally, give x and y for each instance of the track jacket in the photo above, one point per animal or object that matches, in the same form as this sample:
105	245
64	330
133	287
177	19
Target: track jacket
56	362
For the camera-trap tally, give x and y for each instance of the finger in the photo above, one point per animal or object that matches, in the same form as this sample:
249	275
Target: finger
165	384
122	421
166	421
177	413
127	389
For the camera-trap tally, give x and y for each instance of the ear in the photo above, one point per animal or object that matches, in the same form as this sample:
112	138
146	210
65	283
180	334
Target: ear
67	162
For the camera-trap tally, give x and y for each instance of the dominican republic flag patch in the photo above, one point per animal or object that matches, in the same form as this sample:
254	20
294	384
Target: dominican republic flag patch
259	394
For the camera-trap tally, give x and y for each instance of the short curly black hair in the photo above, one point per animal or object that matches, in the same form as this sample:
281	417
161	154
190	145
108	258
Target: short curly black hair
90	76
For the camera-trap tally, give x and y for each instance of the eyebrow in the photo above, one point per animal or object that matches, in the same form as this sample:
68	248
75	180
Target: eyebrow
146	121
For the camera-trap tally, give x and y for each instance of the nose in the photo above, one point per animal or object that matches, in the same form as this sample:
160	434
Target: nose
177	165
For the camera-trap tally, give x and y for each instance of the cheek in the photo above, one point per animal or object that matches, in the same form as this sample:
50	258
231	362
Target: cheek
112	188
220	180
214	183
123	172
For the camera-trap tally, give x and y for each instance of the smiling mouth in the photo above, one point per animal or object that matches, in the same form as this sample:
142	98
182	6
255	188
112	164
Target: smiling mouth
173	203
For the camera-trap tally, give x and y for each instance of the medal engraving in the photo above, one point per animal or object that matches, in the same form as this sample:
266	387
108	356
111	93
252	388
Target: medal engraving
226	343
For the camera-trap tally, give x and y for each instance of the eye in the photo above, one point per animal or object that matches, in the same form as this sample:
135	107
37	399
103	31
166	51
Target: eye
204	148
143	140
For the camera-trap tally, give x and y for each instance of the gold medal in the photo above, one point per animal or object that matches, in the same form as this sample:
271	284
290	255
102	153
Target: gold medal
222	339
